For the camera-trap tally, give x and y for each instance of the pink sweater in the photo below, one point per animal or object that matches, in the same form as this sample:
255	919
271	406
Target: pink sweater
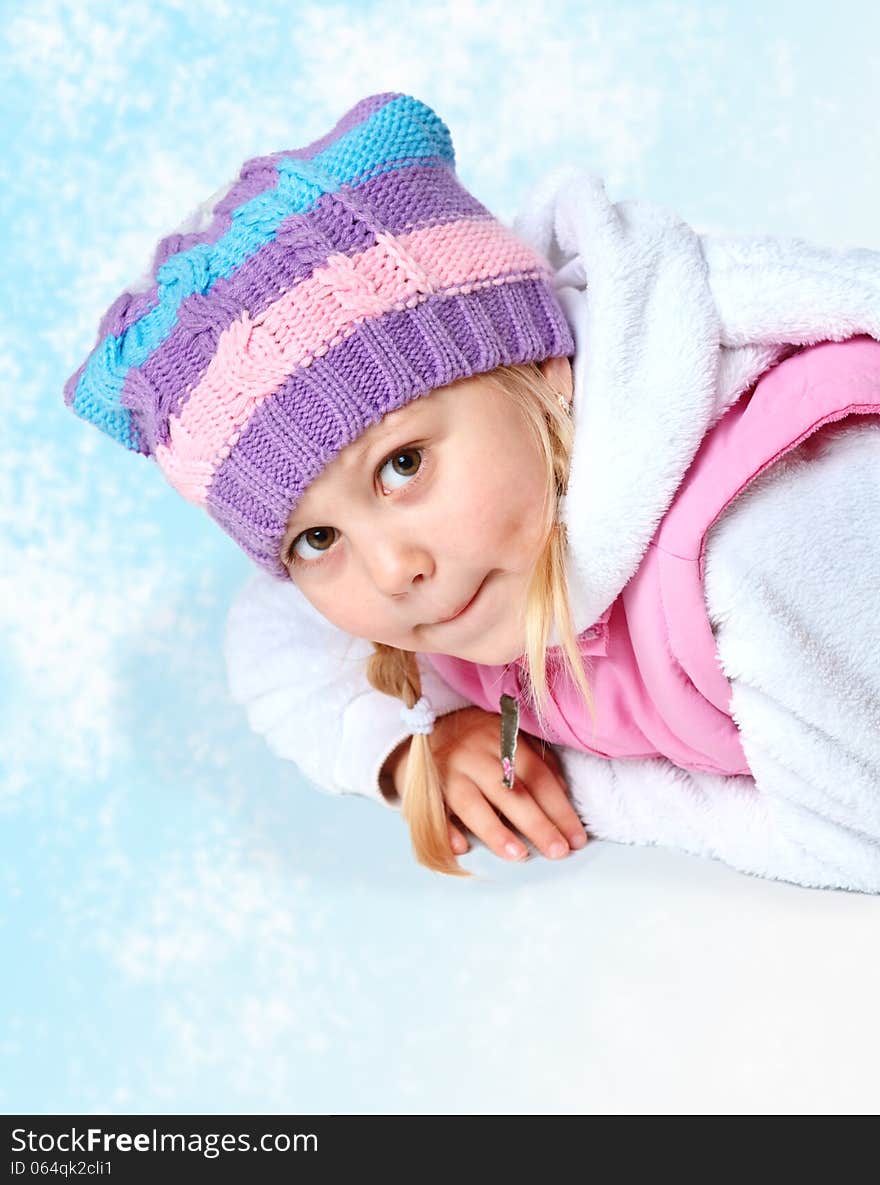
651	659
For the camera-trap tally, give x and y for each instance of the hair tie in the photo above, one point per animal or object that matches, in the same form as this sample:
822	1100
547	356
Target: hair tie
420	717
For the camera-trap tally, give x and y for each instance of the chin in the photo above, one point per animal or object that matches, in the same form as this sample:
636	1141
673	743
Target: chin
495	655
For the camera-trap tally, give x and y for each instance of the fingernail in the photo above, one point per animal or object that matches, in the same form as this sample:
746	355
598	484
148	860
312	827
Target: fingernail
578	840
558	848
514	850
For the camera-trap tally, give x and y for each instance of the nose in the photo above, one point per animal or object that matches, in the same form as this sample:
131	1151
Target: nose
395	563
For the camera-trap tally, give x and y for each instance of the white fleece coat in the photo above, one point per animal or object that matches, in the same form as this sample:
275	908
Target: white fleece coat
670	328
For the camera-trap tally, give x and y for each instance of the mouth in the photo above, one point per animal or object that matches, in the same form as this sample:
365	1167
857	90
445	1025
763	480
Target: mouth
460	612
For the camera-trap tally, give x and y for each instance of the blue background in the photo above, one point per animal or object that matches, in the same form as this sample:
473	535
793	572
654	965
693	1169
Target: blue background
186	924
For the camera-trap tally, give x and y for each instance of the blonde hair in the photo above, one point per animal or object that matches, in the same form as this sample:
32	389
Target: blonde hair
396	672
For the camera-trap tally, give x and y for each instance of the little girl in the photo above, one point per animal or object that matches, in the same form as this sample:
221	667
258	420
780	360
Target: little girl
598	477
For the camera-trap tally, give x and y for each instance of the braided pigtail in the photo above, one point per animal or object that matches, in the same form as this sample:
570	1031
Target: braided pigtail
396	672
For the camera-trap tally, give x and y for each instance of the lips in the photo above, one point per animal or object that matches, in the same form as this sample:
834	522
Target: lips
461	609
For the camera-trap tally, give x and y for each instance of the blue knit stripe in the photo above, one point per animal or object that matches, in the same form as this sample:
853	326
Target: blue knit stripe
405	130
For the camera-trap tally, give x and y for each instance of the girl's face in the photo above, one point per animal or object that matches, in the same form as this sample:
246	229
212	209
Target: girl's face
434	508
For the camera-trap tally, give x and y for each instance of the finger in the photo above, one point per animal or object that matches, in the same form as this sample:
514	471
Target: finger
518	805
530	820
480	817
581	834
538	807
551	797
549	755
457	839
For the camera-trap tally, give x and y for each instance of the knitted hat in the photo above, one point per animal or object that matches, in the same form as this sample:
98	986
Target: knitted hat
323	288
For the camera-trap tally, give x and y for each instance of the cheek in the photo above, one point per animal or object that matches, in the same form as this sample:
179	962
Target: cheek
484	509
346	608
509	502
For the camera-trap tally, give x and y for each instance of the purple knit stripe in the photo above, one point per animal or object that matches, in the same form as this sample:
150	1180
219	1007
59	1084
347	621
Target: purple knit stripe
255	176
388	361
400	200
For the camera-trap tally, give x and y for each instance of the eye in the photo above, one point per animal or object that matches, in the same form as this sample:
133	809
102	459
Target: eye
307	538
409	470
309	545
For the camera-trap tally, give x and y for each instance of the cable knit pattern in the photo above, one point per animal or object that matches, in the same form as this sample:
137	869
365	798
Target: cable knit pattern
327	287
253	357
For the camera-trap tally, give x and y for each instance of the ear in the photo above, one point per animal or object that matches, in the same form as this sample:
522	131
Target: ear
557	371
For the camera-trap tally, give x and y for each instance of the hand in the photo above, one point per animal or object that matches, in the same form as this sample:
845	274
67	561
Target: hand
466	748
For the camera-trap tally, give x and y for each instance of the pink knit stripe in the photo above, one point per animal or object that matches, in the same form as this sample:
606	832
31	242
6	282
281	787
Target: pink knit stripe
255	356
